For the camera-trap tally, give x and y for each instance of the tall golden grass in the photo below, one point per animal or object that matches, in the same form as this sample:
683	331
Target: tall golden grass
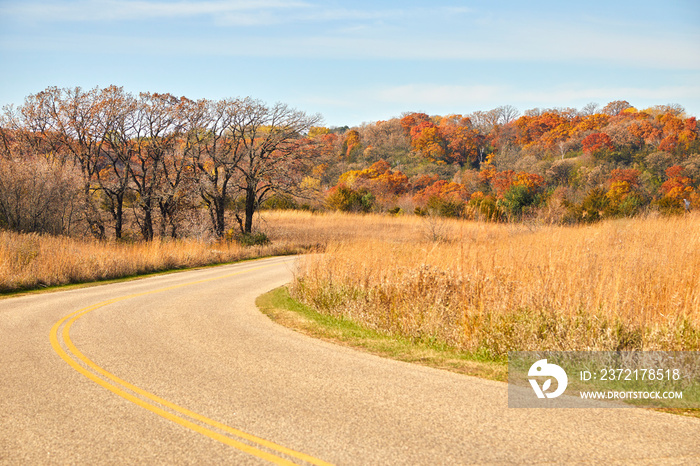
618	285
30	261
479	287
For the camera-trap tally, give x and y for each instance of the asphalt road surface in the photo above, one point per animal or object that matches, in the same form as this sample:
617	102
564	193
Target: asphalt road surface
183	369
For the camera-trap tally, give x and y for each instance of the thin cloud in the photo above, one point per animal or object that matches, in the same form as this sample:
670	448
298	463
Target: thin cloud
113	10
662	94
271	16
440	33
435	94
437	97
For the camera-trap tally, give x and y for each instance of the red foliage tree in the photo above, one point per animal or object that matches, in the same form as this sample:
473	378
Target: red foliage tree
596	142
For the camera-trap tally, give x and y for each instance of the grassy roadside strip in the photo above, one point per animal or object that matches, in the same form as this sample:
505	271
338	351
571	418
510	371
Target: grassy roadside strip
284	310
281	308
130	277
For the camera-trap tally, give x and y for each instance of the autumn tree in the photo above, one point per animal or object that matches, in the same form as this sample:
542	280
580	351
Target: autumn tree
68	119
616	107
463	142
38	192
596	143
426	138
351	143
269	138
410	120
623	193
117	120
156	129
215	150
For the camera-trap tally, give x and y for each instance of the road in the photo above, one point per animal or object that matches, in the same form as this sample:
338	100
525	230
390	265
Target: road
183	369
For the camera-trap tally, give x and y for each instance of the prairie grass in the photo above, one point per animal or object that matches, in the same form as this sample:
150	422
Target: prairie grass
320	229
478	287
627	284
29	261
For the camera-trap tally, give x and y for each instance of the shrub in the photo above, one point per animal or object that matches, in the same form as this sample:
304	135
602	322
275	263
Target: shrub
445	207
347	199
253	239
516	199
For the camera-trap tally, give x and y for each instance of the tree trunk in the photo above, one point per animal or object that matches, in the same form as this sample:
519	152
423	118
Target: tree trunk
147	225
219	205
250	199
119	216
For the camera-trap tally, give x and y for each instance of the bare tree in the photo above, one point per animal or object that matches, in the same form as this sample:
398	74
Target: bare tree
178	175
117	117
615	107
590	108
215	151
69	121
38	192
271	137
156	130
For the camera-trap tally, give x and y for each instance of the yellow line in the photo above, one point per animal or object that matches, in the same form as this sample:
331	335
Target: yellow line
73	317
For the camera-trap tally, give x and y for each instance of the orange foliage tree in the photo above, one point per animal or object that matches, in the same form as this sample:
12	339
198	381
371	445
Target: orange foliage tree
596	142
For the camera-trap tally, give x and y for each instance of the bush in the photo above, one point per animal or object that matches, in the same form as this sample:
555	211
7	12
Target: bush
595	206
484	208
347	199
445	207
279	202
670	206
516	199
253	239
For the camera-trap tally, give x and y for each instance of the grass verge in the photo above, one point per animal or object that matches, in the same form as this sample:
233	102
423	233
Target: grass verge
286	311
281	308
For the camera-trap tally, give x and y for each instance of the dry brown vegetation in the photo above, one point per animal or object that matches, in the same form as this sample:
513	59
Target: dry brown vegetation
479	287
30	261
490	288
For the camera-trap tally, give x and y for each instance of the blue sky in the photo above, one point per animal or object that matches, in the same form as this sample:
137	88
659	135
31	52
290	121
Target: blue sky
361	61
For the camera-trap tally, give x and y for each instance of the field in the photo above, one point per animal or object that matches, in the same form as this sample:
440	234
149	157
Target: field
29	261
481	288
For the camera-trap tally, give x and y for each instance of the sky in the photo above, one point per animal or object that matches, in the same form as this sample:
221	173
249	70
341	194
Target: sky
361	61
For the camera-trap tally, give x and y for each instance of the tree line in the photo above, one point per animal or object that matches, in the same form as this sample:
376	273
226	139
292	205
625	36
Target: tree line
561	164
108	163
71	156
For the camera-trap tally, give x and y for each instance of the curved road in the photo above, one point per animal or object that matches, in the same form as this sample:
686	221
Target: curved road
182	369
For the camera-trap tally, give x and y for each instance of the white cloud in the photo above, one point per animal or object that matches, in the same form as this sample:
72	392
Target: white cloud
418	95
442	99
101	10
409	33
657	95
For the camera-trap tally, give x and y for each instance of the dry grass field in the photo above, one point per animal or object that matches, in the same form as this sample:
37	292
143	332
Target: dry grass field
627	284
483	288
29	261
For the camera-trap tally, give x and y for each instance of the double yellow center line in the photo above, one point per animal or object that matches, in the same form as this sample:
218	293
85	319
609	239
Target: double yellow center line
164	408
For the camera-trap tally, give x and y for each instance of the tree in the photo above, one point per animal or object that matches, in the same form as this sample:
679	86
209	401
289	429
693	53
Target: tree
426	138
270	162
410	120
69	121
178	174
351	142
462	140
616	107
117	113
215	151
596	143
156	129
38	192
